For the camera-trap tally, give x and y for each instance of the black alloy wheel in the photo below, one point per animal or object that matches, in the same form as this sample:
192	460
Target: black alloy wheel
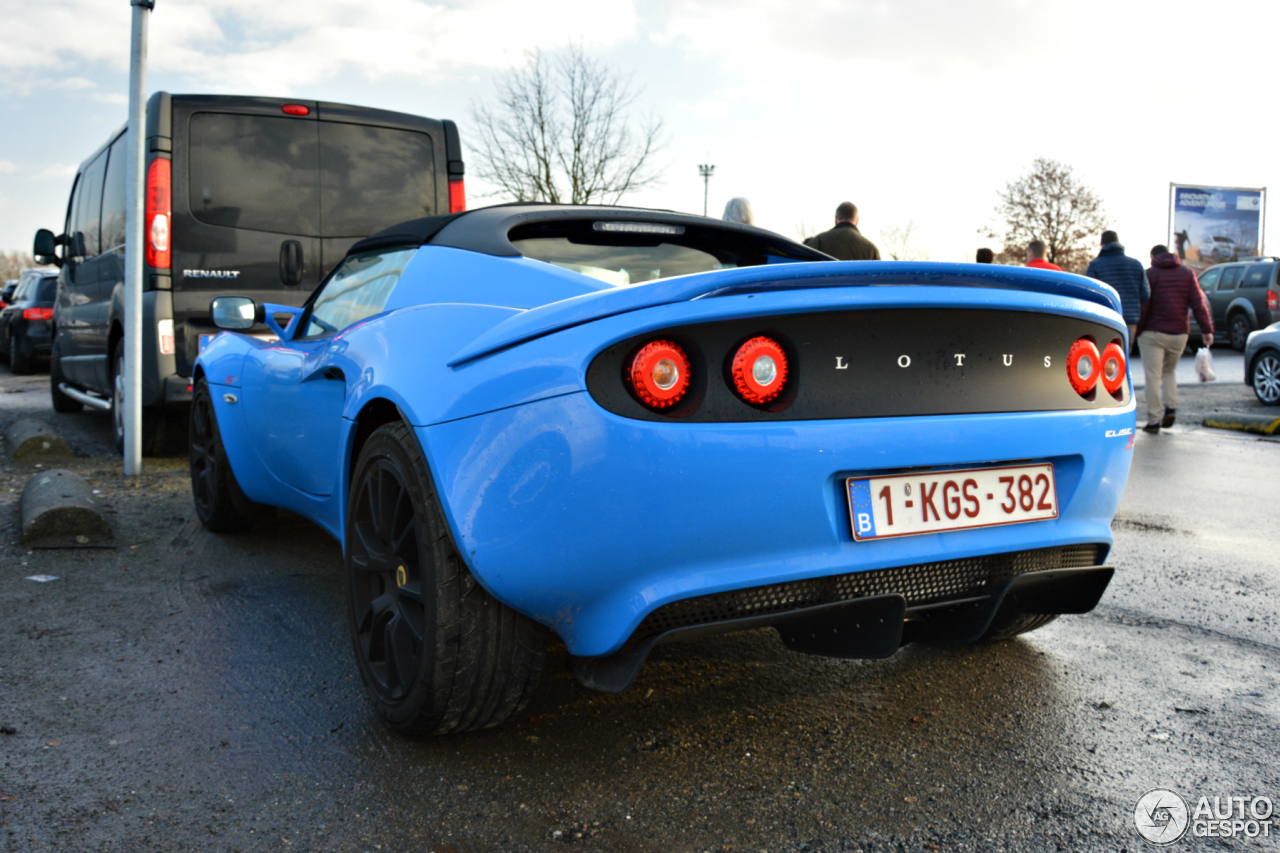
1266	378
436	652
213	485
1239	329
387	597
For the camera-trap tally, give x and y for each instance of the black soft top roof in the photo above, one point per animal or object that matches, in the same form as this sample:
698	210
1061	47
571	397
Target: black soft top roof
486	229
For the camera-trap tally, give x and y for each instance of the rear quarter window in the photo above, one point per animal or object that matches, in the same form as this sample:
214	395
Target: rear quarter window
89	208
373	177
113	197
1257	275
255	172
48	291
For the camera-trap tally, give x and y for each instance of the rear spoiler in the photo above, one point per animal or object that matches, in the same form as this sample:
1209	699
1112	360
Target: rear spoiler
557	316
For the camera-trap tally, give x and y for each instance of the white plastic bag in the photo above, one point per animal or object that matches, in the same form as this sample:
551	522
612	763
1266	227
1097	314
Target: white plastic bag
1204	365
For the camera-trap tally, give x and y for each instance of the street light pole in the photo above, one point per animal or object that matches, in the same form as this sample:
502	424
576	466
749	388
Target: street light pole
131	398
706	171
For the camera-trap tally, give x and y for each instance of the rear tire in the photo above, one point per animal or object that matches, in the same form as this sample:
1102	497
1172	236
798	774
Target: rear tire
213	483
437	653
1011	625
61	402
154	420
1239	328
19	358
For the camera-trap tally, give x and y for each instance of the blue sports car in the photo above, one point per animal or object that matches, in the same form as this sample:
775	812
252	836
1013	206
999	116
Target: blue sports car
628	425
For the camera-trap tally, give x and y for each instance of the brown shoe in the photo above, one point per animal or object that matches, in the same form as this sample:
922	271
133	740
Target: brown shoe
1170	415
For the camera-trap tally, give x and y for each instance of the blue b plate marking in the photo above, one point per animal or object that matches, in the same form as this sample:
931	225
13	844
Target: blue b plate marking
864	517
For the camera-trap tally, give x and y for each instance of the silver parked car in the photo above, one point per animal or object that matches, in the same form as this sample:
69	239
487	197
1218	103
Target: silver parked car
1217	249
1262	364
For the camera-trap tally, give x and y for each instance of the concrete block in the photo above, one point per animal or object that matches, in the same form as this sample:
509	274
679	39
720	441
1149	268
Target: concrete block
1260	424
28	439
58	511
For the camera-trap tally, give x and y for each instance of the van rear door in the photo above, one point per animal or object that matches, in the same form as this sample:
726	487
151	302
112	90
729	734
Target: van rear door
246	205
377	168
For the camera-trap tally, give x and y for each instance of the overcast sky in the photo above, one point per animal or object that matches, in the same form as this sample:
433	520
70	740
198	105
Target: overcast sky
915	110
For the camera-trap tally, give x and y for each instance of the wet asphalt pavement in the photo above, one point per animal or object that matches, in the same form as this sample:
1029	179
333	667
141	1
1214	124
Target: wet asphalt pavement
186	691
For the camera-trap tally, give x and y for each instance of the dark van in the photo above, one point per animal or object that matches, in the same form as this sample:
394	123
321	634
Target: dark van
253	196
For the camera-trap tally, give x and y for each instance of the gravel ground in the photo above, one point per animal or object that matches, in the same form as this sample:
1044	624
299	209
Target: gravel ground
186	691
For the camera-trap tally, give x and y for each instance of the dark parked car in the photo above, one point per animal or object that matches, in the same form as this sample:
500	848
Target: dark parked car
253	196
1262	364
6	292
26	322
1242	297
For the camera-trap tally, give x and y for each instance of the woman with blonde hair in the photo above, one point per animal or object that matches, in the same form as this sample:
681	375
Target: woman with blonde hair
739	210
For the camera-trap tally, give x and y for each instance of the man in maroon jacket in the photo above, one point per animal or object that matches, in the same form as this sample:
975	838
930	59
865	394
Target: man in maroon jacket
1163	329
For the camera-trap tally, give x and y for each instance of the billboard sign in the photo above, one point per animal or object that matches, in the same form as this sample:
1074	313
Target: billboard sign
1210	225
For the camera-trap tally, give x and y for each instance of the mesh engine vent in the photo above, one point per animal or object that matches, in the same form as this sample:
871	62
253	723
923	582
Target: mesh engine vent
919	584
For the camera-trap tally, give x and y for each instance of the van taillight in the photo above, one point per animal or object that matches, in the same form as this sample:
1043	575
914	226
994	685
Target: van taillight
1273	301
158	210
457	195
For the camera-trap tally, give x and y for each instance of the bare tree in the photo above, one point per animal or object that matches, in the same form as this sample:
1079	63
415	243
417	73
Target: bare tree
1049	204
13	263
901	243
806	229
560	131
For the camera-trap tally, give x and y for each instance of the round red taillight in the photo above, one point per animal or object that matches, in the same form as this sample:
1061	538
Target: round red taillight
659	374
759	370
1084	366
1113	367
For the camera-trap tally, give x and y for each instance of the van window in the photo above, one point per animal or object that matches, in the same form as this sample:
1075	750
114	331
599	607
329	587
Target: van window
373	177
1209	281
1230	276
89	208
255	172
48	291
360	288
113	197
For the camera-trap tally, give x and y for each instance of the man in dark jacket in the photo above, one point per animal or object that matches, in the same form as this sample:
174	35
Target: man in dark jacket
845	242
1124	274
1163	328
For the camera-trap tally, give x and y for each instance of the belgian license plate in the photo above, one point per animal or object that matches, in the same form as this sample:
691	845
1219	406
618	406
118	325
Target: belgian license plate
912	504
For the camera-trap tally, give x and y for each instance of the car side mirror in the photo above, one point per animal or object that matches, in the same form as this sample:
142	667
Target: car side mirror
234	313
46	248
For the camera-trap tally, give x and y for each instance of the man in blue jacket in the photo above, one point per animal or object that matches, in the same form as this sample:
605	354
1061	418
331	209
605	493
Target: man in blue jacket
1125	274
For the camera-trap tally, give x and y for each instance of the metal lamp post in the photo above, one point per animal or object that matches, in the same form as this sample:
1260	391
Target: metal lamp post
706	171
135	234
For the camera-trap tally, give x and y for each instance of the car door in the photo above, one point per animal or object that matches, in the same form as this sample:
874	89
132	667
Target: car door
81	276
96	328
1253	286
1223	294
294	393
1208	283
